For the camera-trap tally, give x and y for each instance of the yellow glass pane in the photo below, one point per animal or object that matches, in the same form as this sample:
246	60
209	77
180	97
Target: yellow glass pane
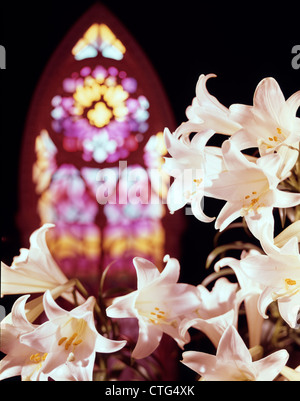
99	38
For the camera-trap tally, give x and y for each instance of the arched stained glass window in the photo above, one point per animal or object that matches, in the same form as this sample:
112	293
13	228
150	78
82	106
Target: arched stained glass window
92	154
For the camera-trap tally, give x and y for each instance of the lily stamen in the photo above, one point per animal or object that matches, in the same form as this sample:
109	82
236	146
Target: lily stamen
291	288
74	339
156	317
62	340
70	341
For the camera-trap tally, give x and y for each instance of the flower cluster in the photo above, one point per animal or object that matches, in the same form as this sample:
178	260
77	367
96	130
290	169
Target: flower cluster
256	173
248	184
251	186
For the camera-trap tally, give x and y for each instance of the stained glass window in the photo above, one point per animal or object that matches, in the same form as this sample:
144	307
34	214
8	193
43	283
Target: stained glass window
93	151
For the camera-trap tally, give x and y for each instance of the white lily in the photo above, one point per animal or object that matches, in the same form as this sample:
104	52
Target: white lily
34	270
208	112
159	304
279	272
217	310
233	361
270	124
193	164
250	190
20	360
69	340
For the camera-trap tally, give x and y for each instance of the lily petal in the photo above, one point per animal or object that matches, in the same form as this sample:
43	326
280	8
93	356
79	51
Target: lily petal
269	98
228	214
289	309
293	103
209	111
264	301
149	339
270	367
203	364
232	344
104	345
122	307
146	271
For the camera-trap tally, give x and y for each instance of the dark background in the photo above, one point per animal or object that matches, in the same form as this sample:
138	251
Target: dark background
241	42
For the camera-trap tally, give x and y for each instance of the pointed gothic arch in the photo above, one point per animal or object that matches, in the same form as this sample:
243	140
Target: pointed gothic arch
98	103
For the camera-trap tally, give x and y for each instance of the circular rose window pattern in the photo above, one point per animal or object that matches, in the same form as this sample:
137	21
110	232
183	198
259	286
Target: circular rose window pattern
100	114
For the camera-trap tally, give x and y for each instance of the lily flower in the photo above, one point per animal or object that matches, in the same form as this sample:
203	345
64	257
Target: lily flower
250	190
34	270
193	164
69	340
159	304
208	112
279	273
271	123
217	310
20	360
233	361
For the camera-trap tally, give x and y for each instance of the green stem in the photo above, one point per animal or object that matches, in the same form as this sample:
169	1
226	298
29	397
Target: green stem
297	174
97	308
